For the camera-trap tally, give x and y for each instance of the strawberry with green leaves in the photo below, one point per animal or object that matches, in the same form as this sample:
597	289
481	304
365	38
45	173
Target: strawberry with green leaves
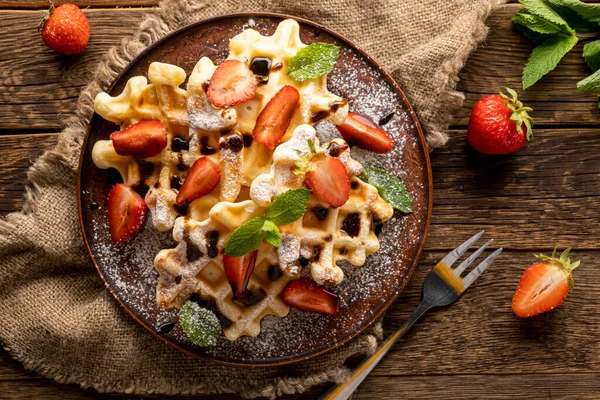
499	124
544	285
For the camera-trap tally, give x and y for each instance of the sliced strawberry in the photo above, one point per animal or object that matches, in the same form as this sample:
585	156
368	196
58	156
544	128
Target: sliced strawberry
203	178
238	271
362	132
144	139
544	286
329	181
232	83
308	296
274	119
126	213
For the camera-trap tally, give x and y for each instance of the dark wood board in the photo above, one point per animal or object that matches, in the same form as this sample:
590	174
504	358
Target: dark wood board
556	188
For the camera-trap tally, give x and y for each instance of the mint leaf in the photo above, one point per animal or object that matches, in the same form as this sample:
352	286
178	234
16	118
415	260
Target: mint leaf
591	53
271	232
591	83
200	325
246	238
543	10
288	206
545	58
590	12
535	23
390	188
574	20
536	38
313	61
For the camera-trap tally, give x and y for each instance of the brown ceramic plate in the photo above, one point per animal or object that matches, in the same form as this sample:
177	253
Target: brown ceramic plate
366	292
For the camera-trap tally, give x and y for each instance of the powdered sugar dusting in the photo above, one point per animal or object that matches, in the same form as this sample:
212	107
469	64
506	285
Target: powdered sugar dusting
129	268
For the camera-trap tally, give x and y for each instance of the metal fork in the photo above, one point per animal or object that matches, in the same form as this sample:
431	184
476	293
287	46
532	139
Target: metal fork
443	285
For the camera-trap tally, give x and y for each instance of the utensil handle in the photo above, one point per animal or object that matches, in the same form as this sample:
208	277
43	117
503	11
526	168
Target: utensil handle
345	390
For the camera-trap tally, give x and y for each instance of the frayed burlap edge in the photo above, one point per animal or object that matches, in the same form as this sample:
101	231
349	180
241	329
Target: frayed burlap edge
172	15
436	115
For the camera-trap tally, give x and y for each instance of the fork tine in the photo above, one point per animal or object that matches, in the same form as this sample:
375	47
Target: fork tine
463	265
473	275
460	250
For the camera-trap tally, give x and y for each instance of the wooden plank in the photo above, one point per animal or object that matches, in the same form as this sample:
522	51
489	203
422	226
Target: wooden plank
43	5
42	87
39	89
17	154
481	386
499	61
551	182
480	333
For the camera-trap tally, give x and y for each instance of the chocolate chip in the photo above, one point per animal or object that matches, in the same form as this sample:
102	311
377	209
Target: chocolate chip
274	272
354	185
142	189
212	238
176	182
181	210
165	328
351	224
192	252
316	253
94	206
320	212
303	262
179	144
261	66
384	120
247	139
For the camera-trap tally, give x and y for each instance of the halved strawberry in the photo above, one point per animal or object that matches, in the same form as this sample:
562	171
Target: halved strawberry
308	296
126	213
274	119
144	139
203	178
544	286
238	271
362	132
232	83
328	180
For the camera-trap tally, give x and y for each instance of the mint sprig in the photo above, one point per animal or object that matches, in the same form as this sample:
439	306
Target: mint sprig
200	325
285	209
313	61
389	186
556	26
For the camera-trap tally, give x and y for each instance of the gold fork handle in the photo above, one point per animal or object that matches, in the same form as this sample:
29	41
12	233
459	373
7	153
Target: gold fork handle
345	390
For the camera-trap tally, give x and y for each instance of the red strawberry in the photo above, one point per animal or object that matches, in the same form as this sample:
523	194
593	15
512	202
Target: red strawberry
308	296
329	181
144	139
545	285
232	83
203	178
362	132
126	213
274	119
496	124
67	30
238	271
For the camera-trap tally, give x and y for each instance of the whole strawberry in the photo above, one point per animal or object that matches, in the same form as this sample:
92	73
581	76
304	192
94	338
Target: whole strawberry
66	30
499	124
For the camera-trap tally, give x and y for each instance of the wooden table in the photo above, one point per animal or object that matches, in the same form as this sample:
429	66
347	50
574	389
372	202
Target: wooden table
545	195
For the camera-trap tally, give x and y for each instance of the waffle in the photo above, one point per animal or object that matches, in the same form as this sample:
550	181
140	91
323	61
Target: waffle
189	268
344	233
250	180
189	115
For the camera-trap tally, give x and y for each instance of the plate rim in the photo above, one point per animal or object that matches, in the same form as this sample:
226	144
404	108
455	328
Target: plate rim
423	145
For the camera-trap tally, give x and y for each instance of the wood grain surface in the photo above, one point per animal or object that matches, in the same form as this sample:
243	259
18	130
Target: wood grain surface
547	194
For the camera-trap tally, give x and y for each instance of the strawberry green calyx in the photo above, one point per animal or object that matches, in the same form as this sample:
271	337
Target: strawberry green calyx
520	113
563	263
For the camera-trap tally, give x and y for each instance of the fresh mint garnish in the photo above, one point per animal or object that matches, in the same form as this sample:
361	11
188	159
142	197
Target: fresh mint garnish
246	238
313	61
288	207
285	209
304	161
200	325
556	26
390	188
272	234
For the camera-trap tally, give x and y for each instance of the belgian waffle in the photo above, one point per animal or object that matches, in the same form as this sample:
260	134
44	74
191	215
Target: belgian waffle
189	117
252	176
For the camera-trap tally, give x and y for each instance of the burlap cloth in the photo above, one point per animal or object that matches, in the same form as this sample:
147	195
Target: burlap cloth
56	316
